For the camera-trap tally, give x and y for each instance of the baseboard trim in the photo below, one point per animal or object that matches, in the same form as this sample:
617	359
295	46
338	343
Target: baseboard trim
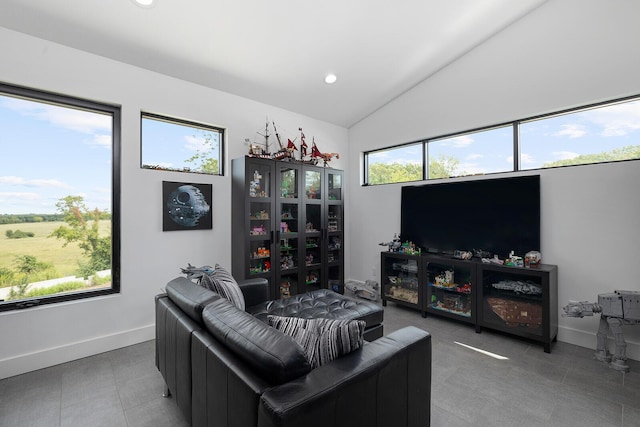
66	353
588	340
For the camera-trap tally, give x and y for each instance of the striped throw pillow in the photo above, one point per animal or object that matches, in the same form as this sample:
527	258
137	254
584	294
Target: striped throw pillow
323	340
222	282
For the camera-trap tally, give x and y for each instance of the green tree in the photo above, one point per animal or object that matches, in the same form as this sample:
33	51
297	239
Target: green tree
83	228
204	160
26	265
444	167
623	153
385	173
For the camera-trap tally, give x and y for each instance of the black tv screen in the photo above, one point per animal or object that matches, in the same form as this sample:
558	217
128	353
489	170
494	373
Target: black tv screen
492	215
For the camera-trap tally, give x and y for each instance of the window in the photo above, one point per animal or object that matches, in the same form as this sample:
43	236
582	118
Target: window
481	152
598	133
400	164
179	145
59	187
601	134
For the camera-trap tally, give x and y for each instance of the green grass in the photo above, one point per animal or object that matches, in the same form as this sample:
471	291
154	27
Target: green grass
45	249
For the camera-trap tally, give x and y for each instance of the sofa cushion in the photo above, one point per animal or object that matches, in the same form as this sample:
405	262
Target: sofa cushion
323	340
276	357
189	297
322	303
222	282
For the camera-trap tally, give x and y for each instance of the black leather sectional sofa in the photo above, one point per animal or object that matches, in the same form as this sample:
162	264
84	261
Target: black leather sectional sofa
227	367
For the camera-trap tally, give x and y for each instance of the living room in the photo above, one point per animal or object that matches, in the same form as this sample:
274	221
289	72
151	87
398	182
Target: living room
562	54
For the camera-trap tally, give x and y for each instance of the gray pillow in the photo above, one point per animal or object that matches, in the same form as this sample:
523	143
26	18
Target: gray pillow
323	340
223	283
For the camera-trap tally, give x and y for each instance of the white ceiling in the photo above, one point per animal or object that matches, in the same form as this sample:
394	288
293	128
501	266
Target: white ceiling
278	51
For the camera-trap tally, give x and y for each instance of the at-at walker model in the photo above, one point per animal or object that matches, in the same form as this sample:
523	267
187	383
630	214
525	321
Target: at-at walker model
616	309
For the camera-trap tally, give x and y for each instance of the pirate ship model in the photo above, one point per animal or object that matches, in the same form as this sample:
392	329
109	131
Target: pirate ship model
286	153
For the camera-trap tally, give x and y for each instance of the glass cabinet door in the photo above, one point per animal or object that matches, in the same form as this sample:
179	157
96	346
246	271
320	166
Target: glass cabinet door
260	260
313	184
334	185
260	181
512	301
400	279
450	289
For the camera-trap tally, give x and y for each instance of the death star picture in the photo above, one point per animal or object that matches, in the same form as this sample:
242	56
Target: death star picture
186	205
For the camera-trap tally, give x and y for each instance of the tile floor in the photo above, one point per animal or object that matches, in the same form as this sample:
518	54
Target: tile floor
531	388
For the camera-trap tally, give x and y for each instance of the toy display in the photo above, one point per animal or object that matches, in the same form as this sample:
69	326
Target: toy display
405	294
517	313
255	189
286	153
394	245
285	289
519	287
532	259
616	309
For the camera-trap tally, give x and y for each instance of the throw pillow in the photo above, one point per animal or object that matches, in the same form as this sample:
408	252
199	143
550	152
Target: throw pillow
323	340
223	283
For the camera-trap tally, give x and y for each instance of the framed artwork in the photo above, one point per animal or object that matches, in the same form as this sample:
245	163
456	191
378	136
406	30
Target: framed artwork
186	206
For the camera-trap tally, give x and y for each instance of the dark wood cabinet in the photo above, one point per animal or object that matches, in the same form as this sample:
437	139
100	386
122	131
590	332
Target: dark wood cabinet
515	300
287	225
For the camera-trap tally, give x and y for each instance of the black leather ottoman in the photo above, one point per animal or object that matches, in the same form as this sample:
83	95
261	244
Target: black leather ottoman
326	304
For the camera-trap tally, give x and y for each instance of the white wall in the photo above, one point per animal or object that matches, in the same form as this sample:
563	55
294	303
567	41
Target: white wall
565	53
51	334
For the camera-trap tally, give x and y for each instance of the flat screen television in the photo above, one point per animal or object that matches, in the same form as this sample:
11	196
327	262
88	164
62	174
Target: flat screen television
493	215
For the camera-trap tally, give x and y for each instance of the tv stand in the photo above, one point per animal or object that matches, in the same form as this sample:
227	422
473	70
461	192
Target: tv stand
518	301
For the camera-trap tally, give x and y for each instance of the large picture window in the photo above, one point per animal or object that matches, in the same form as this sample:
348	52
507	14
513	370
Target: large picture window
59	191
180	145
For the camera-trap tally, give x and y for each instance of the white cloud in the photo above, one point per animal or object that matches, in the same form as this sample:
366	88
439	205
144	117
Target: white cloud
102	140
474	156
195	143
525	159
565	155
16	180
616	120
457	142
66	118
9	197
572	131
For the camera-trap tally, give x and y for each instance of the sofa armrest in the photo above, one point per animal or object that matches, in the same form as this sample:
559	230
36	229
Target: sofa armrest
255	291
386	383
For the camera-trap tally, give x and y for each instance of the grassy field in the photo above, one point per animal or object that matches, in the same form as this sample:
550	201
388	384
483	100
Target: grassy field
45	249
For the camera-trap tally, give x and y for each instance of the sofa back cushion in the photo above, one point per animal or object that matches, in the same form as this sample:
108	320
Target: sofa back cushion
273	355
190	297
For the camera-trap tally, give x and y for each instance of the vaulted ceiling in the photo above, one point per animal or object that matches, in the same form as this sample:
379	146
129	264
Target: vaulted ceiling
278	51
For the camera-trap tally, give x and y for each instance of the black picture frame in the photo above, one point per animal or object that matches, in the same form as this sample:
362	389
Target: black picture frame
186	206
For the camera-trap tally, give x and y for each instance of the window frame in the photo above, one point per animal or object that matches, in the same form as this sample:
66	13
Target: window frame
517	167
115	112
190	123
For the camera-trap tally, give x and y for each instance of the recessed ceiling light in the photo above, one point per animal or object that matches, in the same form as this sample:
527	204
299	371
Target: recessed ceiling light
144	3
331	78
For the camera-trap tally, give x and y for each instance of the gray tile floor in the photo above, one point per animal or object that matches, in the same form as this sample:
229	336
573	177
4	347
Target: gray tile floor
531	388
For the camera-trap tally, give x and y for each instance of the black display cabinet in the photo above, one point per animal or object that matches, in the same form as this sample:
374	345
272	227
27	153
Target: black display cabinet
287	225
516	300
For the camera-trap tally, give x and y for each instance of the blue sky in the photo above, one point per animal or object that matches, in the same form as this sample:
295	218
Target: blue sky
561	137
168	145
49	152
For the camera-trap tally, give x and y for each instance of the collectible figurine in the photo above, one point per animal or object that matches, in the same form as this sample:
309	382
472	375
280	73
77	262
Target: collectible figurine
616	309
393	245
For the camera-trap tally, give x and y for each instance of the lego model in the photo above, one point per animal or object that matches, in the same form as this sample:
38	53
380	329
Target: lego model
393	245
517	313
616	309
